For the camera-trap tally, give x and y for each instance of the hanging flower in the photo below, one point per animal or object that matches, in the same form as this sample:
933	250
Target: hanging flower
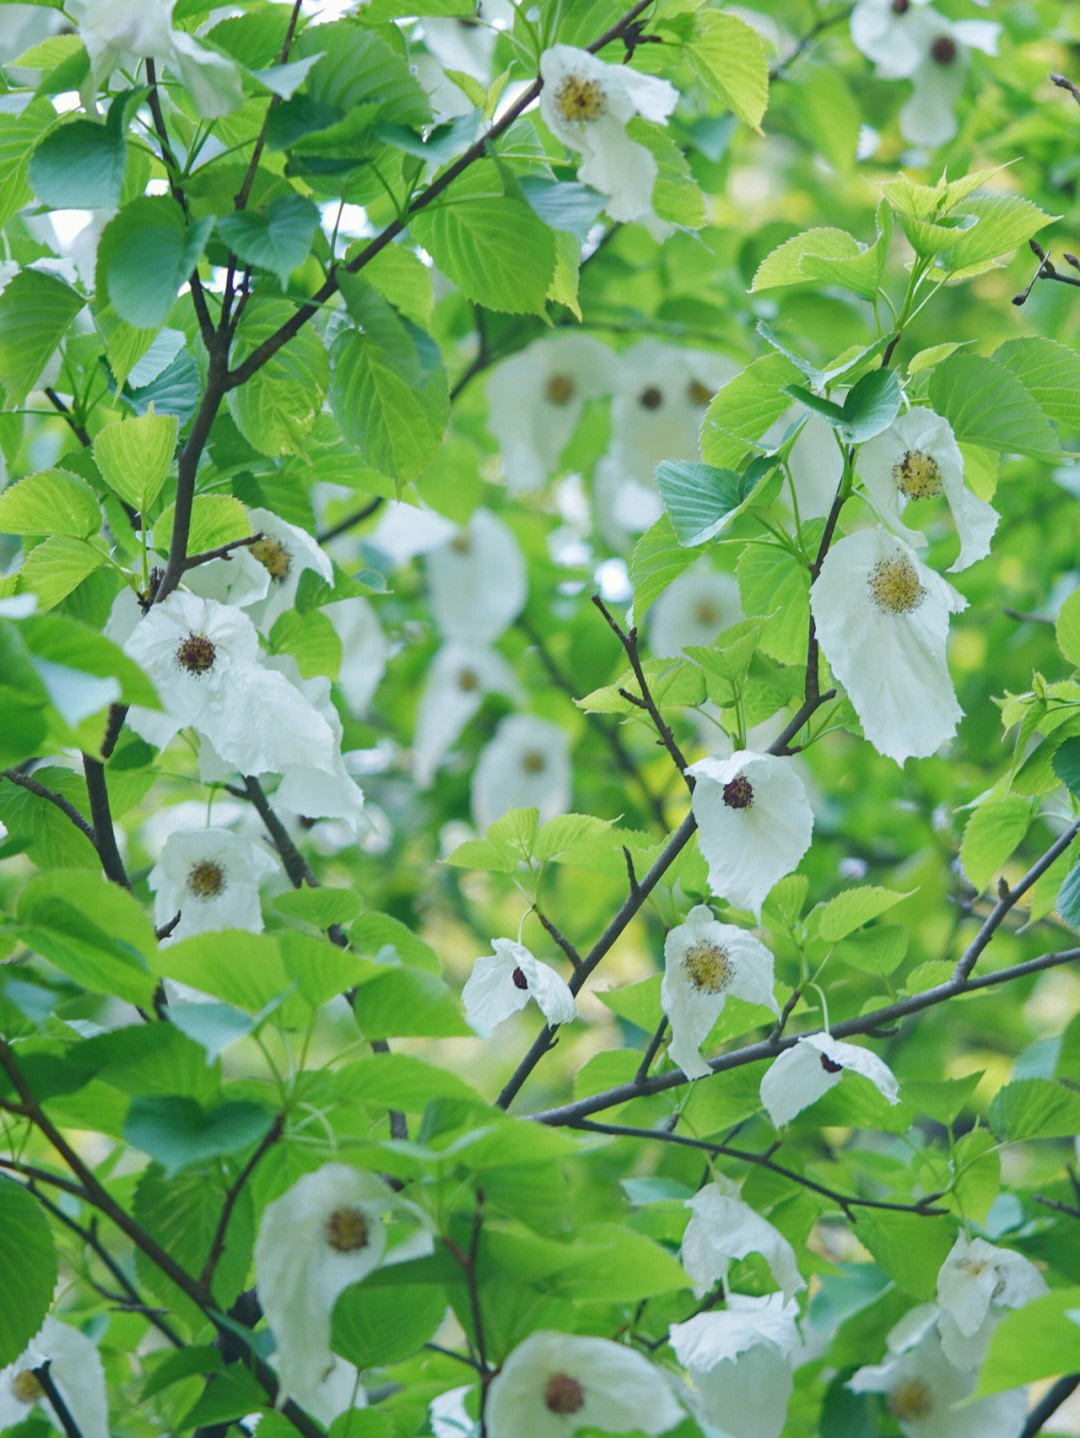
142	29
502	984
364	650
974	1284
917	457
754	823
203	658
921	1387
624	507
525	765
478	581
704	962
459	678
812	1066
323	1234
536	397
883	621
693	609
741	1362
553	1384
76	1372
284	551
211	878
586	104
318	791
723	1228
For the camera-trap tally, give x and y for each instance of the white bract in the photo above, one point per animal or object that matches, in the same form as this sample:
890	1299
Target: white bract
693	609
741	1362
459	677
284	551
203	658
921	1388
724	1228
704	962
318	791
324	1233
917	457
814	1065
525	765
142	29
552	1384
76	1371
211	878
754	823
478	580
535	399
586	104
974	1283
364	650
502	984
882	618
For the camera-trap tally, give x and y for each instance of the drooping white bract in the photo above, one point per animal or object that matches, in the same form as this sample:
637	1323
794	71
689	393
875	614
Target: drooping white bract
211	878
704	962
459	677
693	609
203	659
76	1371
660	403
142	29
502	984
741	1362
754	823
284	551
724	1228
525	765
924	1392
478	580
882	618
364	650
324	1233
587	104
318	791
535	399
814	1065
974	1283
552	1384
917	457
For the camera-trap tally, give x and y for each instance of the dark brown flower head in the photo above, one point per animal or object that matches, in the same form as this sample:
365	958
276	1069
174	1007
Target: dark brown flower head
347	1230
207	880
520	981
652	397
563	1395
830	1065
196	654
943	50
739	793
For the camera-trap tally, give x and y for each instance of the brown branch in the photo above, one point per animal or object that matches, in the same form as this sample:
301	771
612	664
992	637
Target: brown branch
32	786
78	430
651	1051
1057	1205
97	791
188	464
223	551
217	1244
241	199
1049	1404
559	937
1064	84
56	1402
357	517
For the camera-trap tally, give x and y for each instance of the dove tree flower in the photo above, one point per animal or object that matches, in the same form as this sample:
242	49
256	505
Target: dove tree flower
704	962
142	30
459	677
587	104
211	878
477	579
974	1284
917	457
364	650
882	618
741	1363
553	1384
693	609
525	765
754	823
502	984
77	1375
326	1232
812	1066
724	1228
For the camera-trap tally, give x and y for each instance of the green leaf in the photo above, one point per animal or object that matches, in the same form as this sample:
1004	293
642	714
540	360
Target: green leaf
658	560
871	405
994	830
702	500
729	58
401	277
1035	1108
986	404
909	1247
245	970
19	135
406	1001
773	583
825	111
744	408
1067	628
143	294
178	1132
389	940
400	1081
1050	372
362	1335
1066	764
28	1268
1003	224
977	1162
821	256
278	405
277	238
80	166
50	502
36	310
54	568
320	907
215	520
495	249
878	950
1039	1340
135	456
1068	899
853	908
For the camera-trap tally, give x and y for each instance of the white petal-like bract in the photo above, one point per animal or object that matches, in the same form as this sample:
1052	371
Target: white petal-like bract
76	1371
478	580
724	1228
211	878
814	1065
525	765
741	1362
502	983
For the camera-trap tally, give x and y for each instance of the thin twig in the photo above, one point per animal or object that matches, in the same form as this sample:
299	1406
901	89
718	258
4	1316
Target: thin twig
1057	1205
79	431
97	791
780	69
651	1051
241	199
217	1244
358	516
1049	1404
32	786
223	551
56	1402
1063	84
559	937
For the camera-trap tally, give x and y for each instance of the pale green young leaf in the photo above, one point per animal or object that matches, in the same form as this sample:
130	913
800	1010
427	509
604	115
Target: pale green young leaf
658	559
1067	628
743	409
824	255
277	407
36	310
28	1268
702	500
1050	372
50	502
1039	1340
729	58
135	456
773	584
215	520
985	403
396	423
1035	1108
991	834
496	250
848	911
55	567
